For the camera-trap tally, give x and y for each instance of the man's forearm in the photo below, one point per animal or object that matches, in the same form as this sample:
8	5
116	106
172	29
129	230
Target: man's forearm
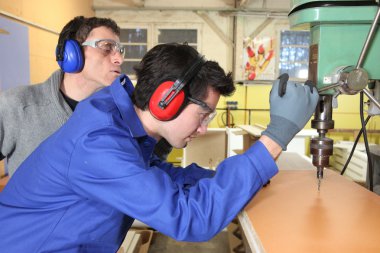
273	147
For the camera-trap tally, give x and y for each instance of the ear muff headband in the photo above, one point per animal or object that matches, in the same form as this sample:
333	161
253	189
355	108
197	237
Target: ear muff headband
169	99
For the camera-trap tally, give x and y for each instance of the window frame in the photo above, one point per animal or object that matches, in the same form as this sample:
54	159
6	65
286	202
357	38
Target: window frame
179	26
292	78
148	45
153	32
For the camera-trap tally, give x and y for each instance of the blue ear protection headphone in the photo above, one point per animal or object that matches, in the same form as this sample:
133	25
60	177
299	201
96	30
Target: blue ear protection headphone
69	54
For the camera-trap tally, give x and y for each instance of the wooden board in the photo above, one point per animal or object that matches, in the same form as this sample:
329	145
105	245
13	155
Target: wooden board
3	182
2	169
294	161
290	215
252	130
207	150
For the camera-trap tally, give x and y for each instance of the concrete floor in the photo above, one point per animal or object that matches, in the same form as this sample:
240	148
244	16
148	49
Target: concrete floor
163	244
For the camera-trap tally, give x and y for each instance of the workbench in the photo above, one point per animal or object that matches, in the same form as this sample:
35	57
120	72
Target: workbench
291	215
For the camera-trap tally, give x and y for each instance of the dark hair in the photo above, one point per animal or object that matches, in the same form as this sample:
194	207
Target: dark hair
168	62
80	27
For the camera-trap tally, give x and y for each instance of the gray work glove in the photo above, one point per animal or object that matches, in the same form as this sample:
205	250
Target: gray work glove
291	106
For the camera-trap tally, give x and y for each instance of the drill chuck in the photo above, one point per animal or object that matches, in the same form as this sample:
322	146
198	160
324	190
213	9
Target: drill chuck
319	172
321	149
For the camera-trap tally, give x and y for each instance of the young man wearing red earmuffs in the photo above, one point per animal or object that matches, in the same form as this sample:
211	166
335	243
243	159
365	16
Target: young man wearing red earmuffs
81	189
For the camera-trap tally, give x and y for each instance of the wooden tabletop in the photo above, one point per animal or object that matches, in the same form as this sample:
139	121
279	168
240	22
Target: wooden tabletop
290	215
3	182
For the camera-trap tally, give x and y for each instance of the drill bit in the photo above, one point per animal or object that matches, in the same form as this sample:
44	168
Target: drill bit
319	176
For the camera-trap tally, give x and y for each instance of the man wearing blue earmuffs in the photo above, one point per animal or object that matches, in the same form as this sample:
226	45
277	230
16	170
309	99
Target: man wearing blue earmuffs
29	114
82	188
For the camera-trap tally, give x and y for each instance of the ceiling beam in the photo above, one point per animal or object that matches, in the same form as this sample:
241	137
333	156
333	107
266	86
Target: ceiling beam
242	3
261	27
224	11
215	28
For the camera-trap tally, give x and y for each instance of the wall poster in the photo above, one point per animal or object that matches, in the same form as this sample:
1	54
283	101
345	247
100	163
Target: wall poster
259	58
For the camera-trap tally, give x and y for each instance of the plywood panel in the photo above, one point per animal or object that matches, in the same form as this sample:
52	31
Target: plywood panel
294	161
290	215
2	169
206	150
3	182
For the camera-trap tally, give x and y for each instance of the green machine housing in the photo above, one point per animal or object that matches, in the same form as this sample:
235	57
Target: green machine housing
338	33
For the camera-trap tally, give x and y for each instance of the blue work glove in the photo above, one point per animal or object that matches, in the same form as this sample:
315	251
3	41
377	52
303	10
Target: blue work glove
291	106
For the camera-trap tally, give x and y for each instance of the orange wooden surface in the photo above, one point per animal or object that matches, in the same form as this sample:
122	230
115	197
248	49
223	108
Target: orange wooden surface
3	182
290	215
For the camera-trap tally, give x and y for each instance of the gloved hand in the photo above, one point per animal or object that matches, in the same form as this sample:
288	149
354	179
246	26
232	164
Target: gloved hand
291	106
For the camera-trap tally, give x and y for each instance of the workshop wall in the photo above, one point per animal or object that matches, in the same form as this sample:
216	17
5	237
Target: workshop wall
223	35
223	38
44	19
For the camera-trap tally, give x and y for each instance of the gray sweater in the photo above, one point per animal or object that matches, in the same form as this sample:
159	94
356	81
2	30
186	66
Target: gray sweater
28	115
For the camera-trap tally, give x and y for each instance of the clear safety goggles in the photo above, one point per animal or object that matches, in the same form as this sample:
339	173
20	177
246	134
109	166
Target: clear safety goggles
204	117
107	45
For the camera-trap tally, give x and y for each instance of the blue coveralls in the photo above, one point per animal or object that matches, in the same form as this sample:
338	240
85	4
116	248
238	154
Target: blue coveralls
81	189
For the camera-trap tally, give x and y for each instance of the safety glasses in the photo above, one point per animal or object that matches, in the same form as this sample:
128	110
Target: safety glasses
204	117
108	46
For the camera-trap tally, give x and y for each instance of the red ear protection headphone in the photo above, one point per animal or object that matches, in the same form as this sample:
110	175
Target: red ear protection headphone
169	99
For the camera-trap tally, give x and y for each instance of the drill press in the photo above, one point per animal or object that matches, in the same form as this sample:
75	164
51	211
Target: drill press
343	33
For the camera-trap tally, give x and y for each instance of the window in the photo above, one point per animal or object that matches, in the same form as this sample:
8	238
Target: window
137	42
178	35
294	54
